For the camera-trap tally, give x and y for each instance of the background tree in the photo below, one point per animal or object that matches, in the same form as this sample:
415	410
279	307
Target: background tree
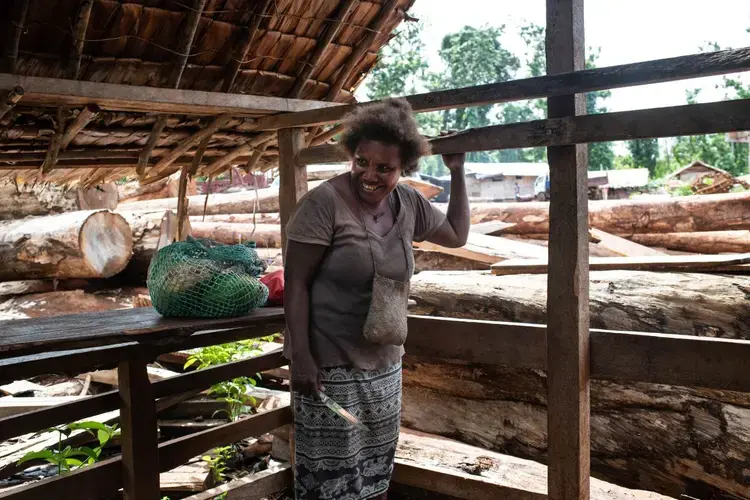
601	154
645	154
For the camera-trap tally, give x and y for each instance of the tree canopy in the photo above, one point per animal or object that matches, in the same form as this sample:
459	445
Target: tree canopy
476	56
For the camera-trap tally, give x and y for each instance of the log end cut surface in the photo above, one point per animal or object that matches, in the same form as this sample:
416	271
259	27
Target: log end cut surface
106	243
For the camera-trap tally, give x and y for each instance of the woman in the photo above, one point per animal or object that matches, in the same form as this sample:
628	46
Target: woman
348	261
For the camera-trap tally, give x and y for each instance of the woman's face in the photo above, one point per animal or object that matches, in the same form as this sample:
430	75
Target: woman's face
376	170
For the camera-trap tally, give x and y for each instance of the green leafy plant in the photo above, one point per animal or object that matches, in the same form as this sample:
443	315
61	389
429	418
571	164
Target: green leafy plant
218	460
233	392
684	190
69	458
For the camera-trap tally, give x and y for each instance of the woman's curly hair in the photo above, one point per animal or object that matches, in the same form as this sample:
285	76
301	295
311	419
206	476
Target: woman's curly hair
392	122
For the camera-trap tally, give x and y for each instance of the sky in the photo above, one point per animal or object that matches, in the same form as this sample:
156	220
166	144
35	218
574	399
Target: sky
625	30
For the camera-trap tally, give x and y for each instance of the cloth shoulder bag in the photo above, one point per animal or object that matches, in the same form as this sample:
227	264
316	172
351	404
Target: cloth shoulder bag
386	319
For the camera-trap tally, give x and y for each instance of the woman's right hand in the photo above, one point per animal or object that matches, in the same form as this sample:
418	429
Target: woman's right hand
305	375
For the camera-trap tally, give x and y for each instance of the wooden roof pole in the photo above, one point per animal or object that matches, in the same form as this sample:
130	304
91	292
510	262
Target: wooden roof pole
255	15
87	114
327	135
184	43
54	145
568	342
188	143
9	100
334	26
362	47
148	149
79	38
21	8
244	149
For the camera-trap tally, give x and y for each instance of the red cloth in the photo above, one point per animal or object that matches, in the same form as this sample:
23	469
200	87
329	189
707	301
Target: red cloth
275	283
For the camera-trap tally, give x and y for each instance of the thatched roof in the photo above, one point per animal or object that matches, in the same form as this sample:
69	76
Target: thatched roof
258	47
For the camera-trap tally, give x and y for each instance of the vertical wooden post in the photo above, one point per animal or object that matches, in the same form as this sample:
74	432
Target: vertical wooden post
568	275
140	457
292	176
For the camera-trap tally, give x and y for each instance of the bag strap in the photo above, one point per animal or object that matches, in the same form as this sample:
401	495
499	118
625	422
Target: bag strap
398	227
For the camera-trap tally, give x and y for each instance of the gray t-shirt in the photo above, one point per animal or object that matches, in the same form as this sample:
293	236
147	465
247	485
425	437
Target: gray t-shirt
340	292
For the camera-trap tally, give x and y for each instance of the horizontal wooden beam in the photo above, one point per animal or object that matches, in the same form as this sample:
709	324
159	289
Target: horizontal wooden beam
115	97
611	77
686	263
102	480
35	420
690	119
489	342
178	451
203	379
645	357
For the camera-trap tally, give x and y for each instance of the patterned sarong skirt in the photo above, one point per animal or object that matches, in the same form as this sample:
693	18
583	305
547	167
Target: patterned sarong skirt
335	460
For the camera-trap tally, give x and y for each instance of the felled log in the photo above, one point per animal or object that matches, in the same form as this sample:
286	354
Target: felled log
456	460
164	188
426	260
241	202
672	440
149	231
44	305
220	203
595	249
25	287
260	218
735	263
25	201
680	303
85	244
669	439
265	235
627	217
701	242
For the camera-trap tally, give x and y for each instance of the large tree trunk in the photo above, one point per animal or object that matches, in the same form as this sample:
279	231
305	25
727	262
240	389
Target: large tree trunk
44	305
84	244
669	439
700	242
149	231
264	235
260	218
221	203
164	188
242	202
50	199
681	303
627	217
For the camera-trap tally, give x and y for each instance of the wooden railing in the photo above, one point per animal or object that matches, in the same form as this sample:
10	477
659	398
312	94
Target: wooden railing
644	357
130	339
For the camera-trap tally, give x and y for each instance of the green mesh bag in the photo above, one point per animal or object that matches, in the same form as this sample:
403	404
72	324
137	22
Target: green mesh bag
202	278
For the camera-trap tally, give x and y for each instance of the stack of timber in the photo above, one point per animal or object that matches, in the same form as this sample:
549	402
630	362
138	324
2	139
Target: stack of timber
701	224
669	439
